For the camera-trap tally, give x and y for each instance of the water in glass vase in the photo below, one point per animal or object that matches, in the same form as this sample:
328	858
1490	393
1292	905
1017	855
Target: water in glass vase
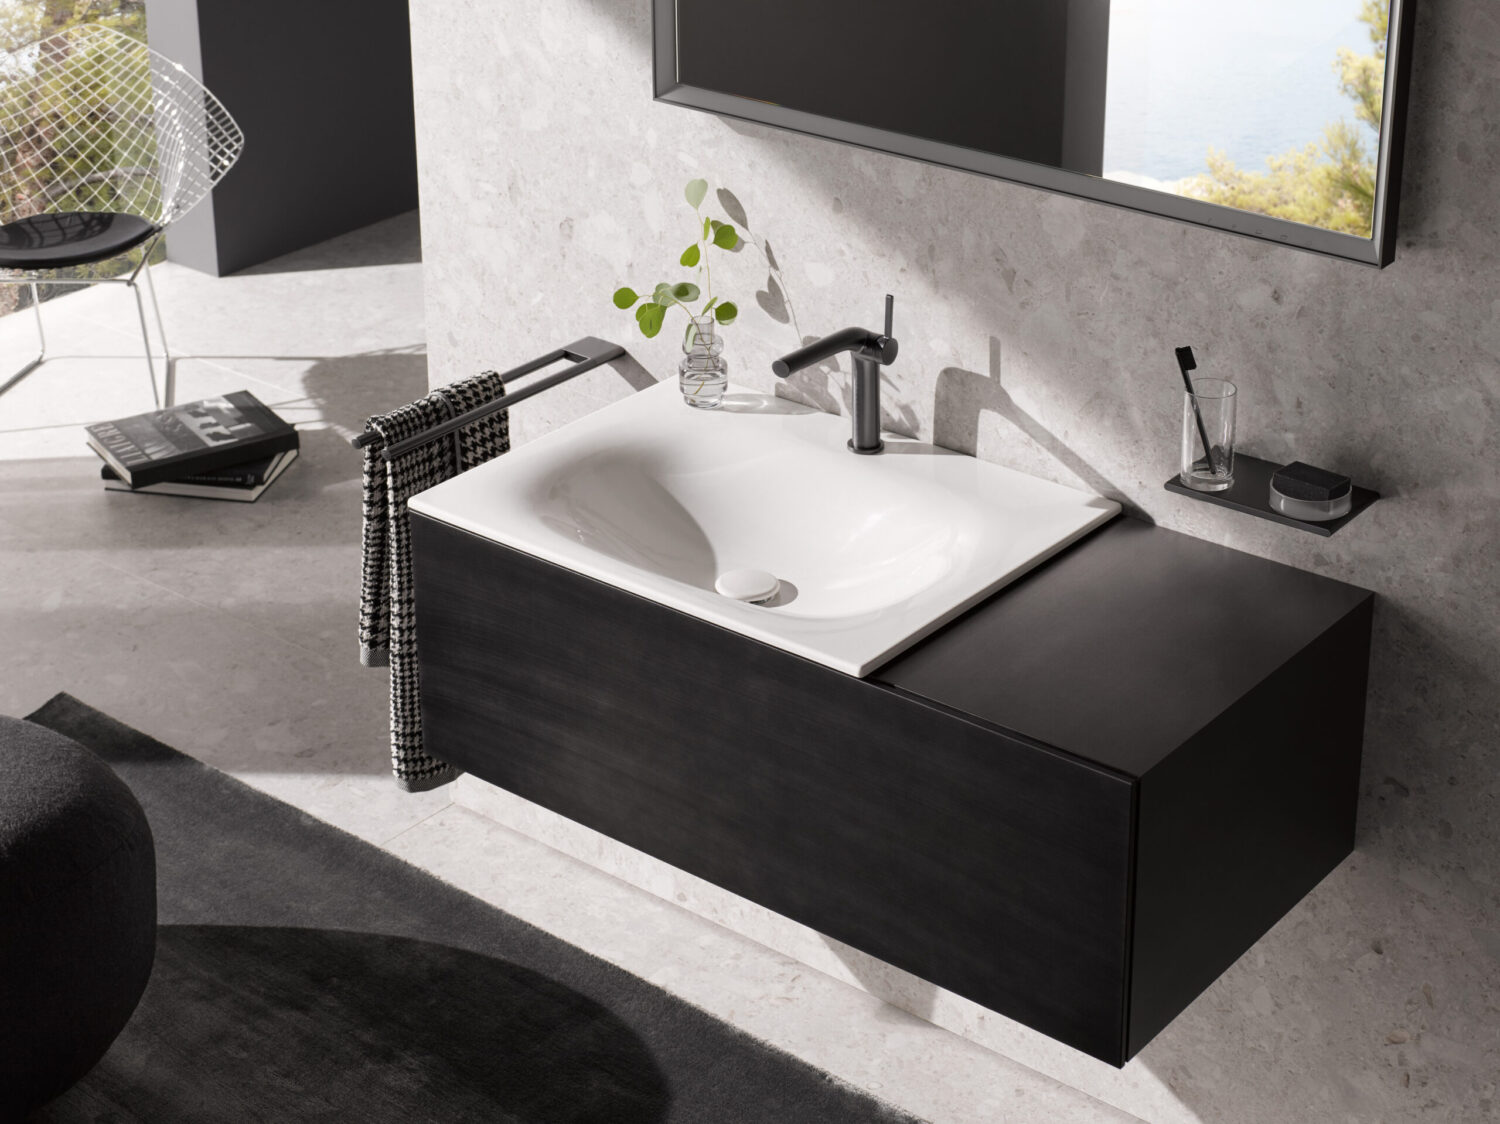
703	374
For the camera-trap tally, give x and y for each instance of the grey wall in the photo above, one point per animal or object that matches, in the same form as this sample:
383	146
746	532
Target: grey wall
1037	331
323	94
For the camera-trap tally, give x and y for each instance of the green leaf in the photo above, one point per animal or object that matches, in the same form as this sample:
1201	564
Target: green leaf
695	191
625	297
725	237
650	316
685	291
690	256
662	294
707	227
726	312
709	307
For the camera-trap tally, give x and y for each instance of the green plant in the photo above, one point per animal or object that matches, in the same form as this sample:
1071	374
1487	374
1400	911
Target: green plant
711	234
1329	183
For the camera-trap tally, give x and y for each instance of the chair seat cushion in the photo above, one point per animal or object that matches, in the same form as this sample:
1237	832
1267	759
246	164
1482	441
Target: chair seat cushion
69	238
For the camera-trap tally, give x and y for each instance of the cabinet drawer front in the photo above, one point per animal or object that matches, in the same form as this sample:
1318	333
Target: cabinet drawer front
988	866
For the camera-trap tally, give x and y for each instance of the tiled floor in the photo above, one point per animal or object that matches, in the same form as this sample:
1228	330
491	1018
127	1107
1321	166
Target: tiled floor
228	631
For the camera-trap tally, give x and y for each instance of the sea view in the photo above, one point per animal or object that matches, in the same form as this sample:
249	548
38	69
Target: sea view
1252	79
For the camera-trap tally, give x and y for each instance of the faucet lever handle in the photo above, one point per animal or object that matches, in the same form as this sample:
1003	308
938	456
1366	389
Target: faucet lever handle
890	312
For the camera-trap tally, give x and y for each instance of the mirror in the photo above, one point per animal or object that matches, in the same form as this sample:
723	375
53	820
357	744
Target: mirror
1278	119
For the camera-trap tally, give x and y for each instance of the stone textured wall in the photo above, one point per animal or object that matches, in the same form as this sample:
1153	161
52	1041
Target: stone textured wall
1037	332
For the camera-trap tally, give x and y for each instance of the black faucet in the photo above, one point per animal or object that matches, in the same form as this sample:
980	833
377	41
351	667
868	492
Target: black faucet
870	352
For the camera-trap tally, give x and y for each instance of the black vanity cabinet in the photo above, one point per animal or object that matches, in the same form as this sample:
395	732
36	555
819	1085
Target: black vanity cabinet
1076	805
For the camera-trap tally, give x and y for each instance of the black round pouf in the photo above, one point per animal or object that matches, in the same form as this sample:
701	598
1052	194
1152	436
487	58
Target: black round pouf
77	911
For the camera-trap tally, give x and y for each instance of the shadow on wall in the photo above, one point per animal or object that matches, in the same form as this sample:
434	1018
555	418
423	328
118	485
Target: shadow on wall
1443	789
963	395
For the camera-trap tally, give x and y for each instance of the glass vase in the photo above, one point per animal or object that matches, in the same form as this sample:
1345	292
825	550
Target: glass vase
703	374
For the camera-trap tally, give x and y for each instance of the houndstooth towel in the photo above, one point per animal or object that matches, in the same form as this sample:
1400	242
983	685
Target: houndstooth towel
387	619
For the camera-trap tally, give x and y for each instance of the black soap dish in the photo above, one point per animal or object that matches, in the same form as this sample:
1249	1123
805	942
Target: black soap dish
1314	495
1298	495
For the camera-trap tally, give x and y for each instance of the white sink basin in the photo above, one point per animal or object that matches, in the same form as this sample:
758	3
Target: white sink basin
873	553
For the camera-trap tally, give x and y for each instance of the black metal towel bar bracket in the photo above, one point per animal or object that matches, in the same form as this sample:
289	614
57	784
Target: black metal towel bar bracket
584	354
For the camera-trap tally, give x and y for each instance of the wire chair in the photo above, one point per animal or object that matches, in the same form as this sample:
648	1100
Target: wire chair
104	143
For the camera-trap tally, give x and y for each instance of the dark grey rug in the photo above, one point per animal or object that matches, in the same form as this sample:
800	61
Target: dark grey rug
302	974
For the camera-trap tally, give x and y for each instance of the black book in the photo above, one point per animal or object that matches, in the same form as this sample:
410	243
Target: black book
190	440
238	493
246	475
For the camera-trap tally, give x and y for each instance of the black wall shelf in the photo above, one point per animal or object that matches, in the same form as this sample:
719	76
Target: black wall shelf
1251	494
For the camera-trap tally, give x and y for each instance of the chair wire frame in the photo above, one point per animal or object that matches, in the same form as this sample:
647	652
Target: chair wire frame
92	120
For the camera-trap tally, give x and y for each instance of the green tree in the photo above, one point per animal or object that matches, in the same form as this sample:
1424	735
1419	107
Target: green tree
1330	183
1362	77
27	21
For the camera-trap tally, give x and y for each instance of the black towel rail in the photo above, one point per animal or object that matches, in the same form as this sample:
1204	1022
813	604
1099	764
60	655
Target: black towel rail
584	354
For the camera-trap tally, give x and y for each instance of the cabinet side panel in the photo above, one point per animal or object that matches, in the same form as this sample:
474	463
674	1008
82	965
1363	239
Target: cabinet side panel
992	868
1237	825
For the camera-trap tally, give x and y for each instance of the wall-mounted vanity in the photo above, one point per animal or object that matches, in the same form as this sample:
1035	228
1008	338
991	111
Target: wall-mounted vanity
1075	804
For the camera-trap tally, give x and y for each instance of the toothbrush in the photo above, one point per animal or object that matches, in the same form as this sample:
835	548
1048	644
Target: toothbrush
1186	363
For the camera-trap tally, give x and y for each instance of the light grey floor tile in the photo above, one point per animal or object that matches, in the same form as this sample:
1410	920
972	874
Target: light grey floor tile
283	718
925	1070
288	564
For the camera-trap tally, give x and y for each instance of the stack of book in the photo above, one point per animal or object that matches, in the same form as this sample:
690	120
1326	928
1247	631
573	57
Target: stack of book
229	448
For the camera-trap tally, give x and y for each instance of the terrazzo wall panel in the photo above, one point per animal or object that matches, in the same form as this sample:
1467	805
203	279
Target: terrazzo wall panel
1037	332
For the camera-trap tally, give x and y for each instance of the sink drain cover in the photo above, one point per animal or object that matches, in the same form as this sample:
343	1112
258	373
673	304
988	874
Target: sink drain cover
747	585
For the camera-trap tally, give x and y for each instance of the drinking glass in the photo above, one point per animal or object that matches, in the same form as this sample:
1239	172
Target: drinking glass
1208	420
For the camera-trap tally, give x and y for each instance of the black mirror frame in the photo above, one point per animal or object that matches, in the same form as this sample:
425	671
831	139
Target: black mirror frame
1379	250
